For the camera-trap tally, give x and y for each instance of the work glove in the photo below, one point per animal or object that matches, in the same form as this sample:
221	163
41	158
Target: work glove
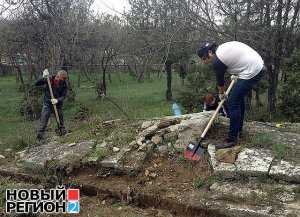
45	73
223	96
234	77
54	101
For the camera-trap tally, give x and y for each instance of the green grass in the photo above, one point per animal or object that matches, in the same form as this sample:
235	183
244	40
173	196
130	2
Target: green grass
261	140
139	100
279	150
199	182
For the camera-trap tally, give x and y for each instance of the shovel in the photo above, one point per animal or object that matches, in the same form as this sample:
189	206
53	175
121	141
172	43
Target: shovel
194	151
54	107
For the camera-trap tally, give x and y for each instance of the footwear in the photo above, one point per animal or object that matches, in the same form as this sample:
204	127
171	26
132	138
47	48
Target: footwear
61	131
39	137
227	144
241	134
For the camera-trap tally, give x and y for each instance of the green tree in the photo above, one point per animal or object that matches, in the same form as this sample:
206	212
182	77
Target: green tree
290	90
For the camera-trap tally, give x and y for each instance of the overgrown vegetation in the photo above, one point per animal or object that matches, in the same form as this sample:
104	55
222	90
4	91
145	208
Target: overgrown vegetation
279	150
290	90
261	140
200	81
200	182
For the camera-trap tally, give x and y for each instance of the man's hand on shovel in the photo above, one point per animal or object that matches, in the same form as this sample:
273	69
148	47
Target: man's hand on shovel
45	73
54	101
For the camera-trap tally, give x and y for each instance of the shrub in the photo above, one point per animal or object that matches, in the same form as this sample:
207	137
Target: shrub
200	81
31	106
289	95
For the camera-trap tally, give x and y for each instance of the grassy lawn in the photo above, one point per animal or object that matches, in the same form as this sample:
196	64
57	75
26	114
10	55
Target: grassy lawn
138	100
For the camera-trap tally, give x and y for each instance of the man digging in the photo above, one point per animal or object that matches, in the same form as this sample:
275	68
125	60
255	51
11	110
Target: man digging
59	88
239	60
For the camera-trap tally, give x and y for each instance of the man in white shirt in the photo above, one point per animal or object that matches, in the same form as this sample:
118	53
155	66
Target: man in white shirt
242	61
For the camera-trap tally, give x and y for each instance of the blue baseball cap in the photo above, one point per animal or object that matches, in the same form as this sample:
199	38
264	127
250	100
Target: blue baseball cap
205	48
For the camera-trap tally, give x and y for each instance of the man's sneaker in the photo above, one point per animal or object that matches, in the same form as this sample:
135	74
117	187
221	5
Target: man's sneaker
227	144
39	137
241	134
61	131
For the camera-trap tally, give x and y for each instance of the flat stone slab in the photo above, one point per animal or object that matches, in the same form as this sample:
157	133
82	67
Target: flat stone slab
225	169
254	162
114	161
51	155
253	192
285	170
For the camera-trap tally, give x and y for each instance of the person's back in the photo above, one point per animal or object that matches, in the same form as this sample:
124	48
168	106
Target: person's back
240	59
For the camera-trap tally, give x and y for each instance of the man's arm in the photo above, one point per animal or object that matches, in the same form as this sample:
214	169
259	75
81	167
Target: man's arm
40	82
220	69
64	93
43	80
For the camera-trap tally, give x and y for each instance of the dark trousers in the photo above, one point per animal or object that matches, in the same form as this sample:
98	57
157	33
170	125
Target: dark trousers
45	115
236	104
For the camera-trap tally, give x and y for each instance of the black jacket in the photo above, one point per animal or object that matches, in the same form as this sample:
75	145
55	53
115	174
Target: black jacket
59	91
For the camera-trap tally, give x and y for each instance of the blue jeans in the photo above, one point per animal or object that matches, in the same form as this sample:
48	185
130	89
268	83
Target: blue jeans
236	104
45	115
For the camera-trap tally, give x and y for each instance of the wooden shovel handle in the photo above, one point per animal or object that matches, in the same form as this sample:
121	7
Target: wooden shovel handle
217	110
54	105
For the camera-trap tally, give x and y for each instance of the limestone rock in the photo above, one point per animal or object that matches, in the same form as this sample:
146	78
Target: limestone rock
190	130
115	160
72	144
51	155
134	161
163	149
254	162
147	124
228	155
254	192
150	131
225	169
102	145
164	123
116	149
156	139
287	171
140	141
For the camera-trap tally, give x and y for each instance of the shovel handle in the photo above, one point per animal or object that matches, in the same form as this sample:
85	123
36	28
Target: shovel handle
52	97
217	110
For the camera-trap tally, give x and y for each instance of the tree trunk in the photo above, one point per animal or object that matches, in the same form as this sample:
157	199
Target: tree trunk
79	79
20	76
109	77
257	98
104	82
273	74
168	66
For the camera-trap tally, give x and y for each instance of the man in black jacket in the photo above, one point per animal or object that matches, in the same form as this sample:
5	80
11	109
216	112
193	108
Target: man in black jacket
59	87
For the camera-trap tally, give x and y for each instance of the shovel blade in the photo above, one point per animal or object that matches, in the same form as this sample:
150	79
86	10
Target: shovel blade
193	152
